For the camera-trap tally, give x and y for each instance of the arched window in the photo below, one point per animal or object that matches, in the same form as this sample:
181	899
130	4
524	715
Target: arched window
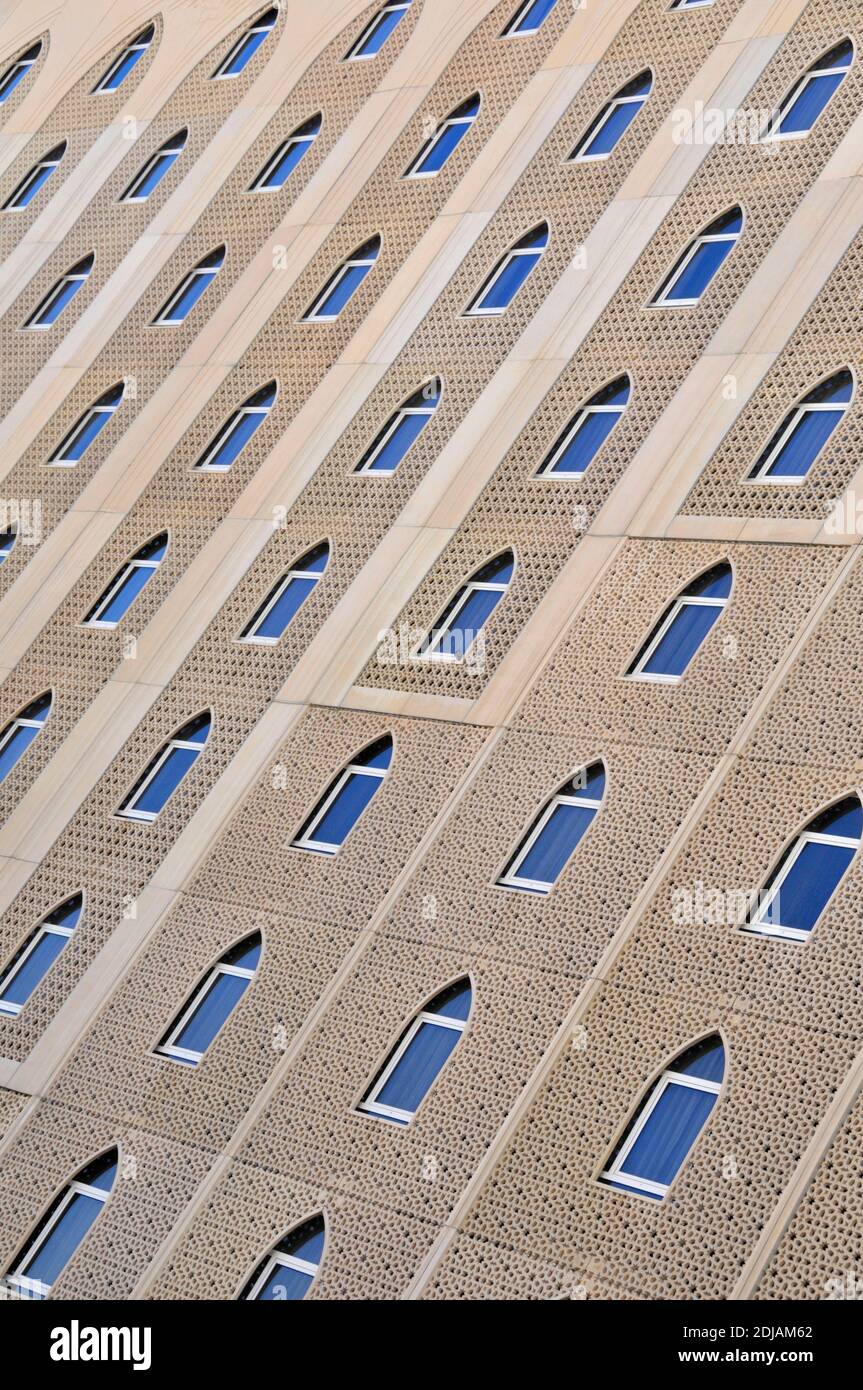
689	4
76	443
811	93
375	34
528	18
18	70
49	1249
127	584
247	45
808	873
284	160
460	623
51	307
554	834
658	1139
34	958
438	148
695	269
270	619
164	773
614	119
586	432
413	1066
795	446
500	288
190	288
683	627
237	430
21	731
8	537
125	61
345	799
212	1003
391	443
343	283
154	169
287	1273
37	177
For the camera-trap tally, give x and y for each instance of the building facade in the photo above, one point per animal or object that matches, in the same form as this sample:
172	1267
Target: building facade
429	590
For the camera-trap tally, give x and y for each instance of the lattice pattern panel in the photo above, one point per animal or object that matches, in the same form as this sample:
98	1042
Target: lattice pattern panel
15	98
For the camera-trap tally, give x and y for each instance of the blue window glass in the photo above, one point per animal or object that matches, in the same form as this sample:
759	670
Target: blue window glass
614	119
701	260
126	585
587	431
467	612
554	834
166	771
344	283
683	627
212	1003
287	1273
18	71
390	444
338	811
154	169
63	1228
55	301
529	17
75	444
237	430
8	537
809	872
510	274
436	151
667	1123
415	1062
190	289
375	35
808	98
123	65
37	177
247	46
284	600
34	959
20	733
805	430
282	164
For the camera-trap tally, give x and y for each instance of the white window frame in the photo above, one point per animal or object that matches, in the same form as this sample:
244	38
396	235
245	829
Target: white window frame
307	840
22	65
685	600
184	1054
663	300
547	469
413	170
174	148
313	316
221	75
120	579
474	309
512	30
7	546
18	1280
802	409
275	1260
45	928
353	54
432	652
259	183
13	203
690	4
511	878
279	589
758	926
18	723
57	459
616	1171
223	436
377	449
774	129
127	811
369	1105
605	117
164	319
35	319
135	47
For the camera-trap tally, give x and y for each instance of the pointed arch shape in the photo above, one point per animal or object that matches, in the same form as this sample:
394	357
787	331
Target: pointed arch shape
805	430
700	261
133	575
557	829
208	1008
587	430
25	970
346	798
685	623
444	141
22	730
275	612
51	306
399	433
35	179
286	156
456	630
165	771
78	439
509	273
246	46
811	93
289	1268
64	1226
118	70
236	431
344	282
414	1063
193	285
613	119
155	167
